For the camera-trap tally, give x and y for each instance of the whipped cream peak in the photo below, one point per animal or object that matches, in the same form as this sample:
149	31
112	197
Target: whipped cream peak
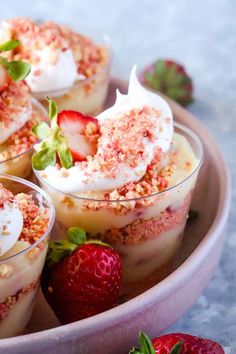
11	221
138	97
134	131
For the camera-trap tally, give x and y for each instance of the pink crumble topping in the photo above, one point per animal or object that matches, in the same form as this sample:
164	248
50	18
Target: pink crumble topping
33	37
13	100
122	142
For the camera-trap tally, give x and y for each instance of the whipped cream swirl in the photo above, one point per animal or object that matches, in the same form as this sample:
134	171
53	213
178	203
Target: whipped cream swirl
46	76
85	178
11	221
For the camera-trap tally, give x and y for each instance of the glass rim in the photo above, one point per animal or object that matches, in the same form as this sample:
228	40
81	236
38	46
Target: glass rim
36	103
177	125
104	68
51	207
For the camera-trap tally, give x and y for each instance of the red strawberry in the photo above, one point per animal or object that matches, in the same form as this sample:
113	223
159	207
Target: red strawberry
177	343
75	127
170	78
85	281
4	79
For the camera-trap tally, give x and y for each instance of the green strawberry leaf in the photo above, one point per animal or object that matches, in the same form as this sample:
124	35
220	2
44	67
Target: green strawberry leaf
52	109
65	155
17	70
176	349
58	250
9	45
54	142
98	242
151	81
159	67
135	351
41	130
44	158
76	235
146	344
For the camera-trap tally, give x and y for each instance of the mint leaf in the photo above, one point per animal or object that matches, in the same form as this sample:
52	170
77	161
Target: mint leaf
65	155
17	70
9	45
76	235
52	109
44	158
41	130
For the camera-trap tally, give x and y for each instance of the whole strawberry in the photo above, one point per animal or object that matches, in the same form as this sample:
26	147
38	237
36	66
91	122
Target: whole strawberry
170	78
81	278
177	343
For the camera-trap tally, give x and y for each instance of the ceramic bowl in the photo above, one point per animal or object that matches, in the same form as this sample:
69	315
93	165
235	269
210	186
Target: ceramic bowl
116	330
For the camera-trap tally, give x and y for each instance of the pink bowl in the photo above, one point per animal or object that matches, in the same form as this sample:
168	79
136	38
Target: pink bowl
116	330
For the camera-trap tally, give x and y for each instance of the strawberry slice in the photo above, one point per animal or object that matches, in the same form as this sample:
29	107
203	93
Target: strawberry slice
74	125
4	79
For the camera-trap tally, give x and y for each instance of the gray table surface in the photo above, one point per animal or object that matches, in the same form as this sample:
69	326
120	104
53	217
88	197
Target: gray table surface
202	35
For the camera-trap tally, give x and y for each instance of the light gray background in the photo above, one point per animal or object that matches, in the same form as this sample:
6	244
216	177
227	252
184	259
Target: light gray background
202	35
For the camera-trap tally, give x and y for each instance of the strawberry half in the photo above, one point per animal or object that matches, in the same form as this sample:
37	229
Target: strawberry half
177	343
80	278
4	79
79	131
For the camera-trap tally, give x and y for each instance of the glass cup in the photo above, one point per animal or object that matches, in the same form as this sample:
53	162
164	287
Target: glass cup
20	165
85	95
146	231
21	266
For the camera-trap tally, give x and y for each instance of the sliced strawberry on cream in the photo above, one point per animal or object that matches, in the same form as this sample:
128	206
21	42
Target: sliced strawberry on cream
11	221
4	79
76	127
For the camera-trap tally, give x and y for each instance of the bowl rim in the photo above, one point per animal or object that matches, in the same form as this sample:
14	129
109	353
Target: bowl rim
175	279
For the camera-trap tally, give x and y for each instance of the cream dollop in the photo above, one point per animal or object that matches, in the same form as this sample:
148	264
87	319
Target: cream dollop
14	123
46	76
79	179
11	224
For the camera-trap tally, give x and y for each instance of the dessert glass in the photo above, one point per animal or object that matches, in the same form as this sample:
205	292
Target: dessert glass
85	95
146	231
20	165
20	271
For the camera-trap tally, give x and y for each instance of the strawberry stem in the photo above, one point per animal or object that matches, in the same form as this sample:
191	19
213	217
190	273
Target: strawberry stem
176	349
75	237
146	346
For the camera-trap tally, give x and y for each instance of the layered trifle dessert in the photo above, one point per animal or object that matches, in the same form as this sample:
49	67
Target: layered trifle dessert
126	177
18	114
66	65
26	218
